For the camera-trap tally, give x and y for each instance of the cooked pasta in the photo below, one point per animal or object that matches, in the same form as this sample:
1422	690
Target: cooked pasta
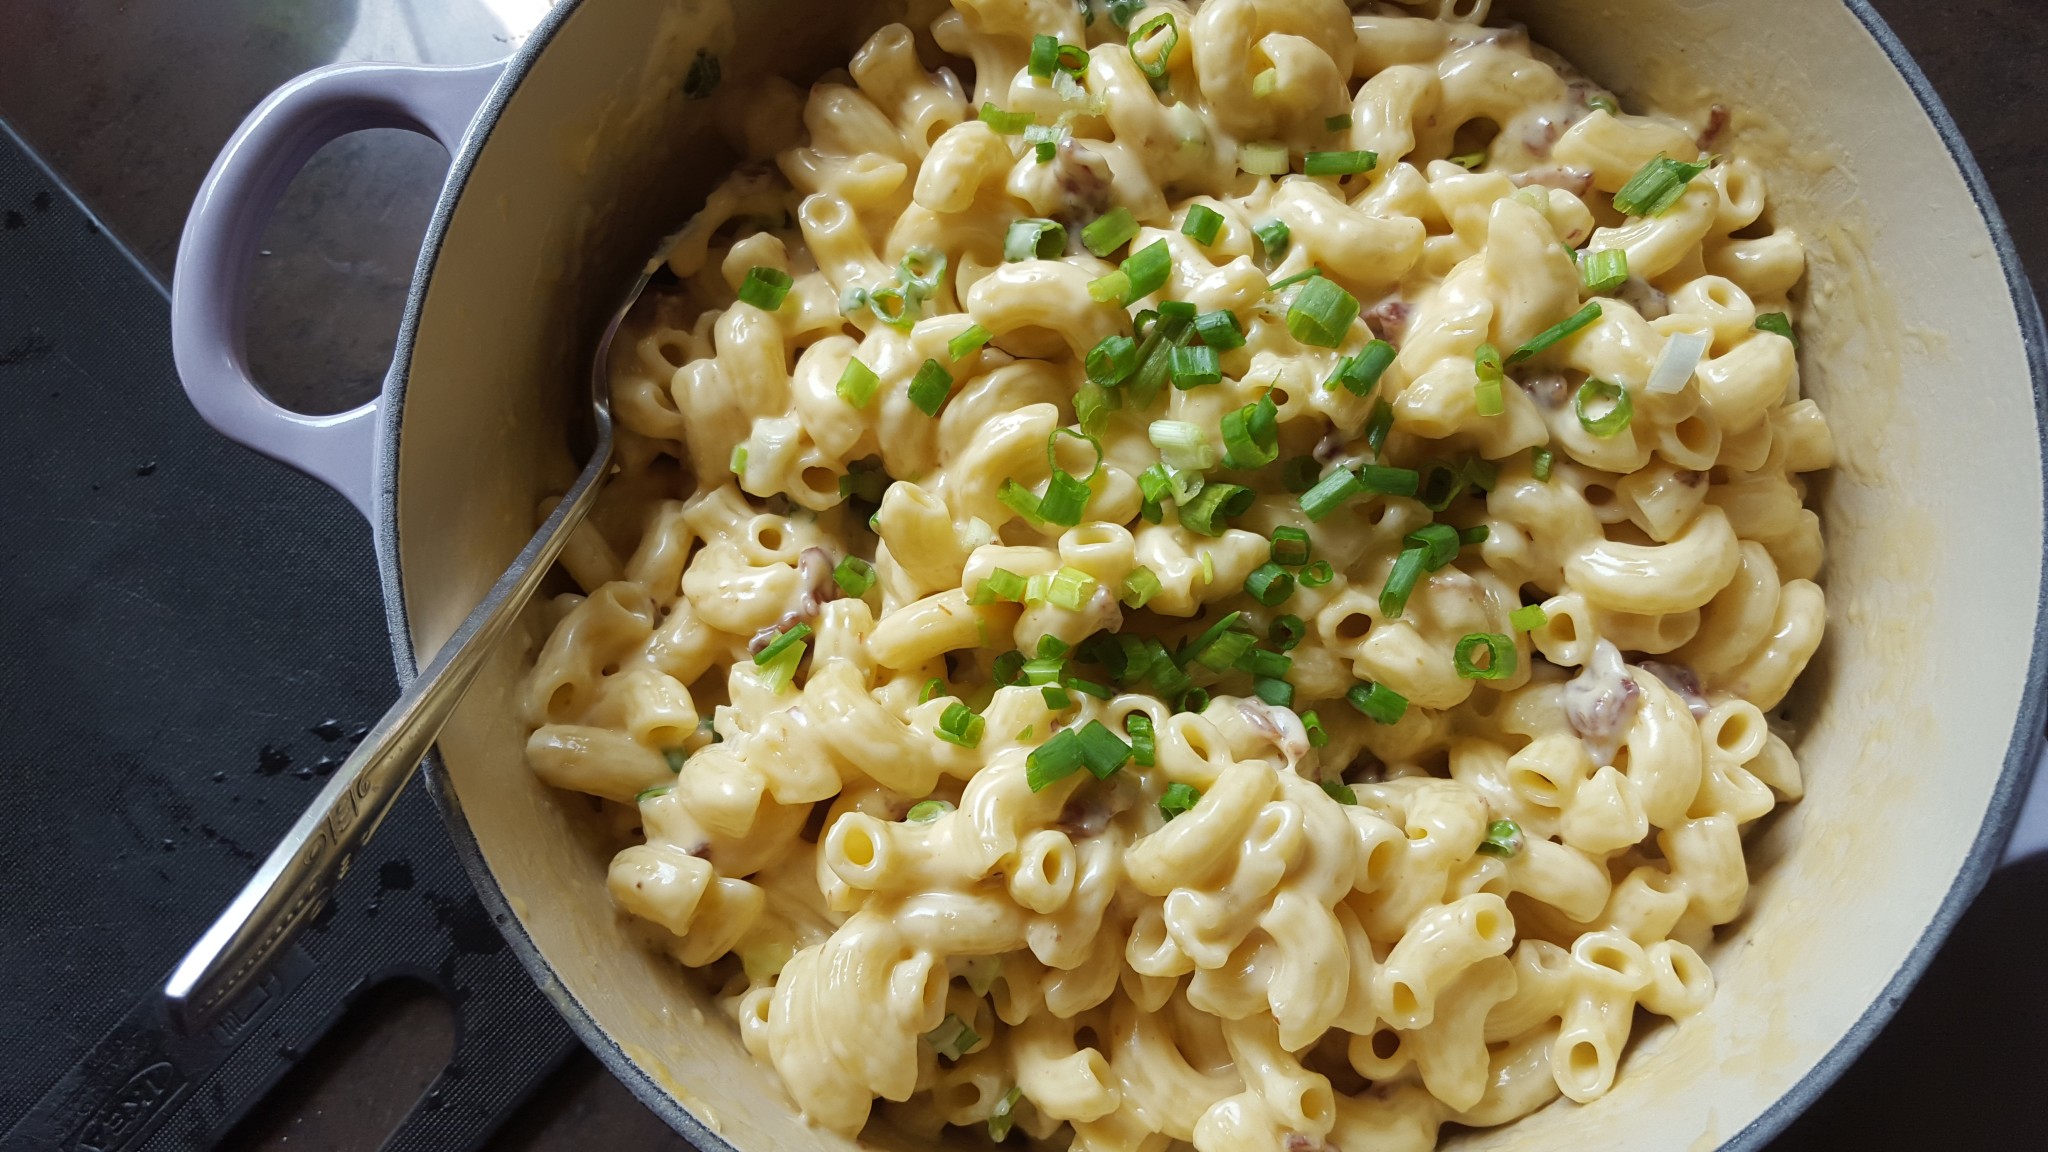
1198	574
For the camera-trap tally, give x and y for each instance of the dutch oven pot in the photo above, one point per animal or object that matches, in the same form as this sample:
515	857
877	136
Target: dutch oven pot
1920	720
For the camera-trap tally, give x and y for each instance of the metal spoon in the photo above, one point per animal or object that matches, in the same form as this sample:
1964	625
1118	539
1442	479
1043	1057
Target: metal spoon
295	880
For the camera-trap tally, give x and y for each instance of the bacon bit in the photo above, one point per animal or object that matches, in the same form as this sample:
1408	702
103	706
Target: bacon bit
1539	137
1296	1142
815	588
1280	725
1690	479
1601	702
1644	297
1330	447
1576	181
702	850
1083	177
1717	123
1680	678
1389	319
1547	389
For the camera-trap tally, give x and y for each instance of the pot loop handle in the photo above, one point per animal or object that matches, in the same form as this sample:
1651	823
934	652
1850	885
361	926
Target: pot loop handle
210	285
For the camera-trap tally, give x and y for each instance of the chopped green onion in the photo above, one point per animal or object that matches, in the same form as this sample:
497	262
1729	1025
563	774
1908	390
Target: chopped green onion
1088	686
966	342
1290	546
703	77
1034	239
854	576
1112	360
1266	83
1102	751
765	288
1144	750
1152	54
1340	792
952	1038
1147	269
1195	365
1439	544
1290	281
1072	58
931	387
933	689
926	811
1778	324
1065	498
1318	736
1053	761
1378	702
1360	373
1338	163
1441	485
1178	800
1540	462
1503	839
1222	653
1019	499
1557	332
1260	662
1092	406
1276	237
959	725
675	757
1338	123
1070	589
1003	1117
1317	574
1269	584
1111	288
921	284
1052	457
1487	395
1209	636
1004	123
1653	190
1476	534
1045	141
1182	445
781	671
1001	584
1528	618
1056	697
1600	103
1251	435
649	793
1110	231
1285	632
1180	314
1300	473
1044	670
1604	271
1202	223
1330	493
1220	330
1377	426
1216	503
1045	56
788	637
1500	656
1381	480
1050	645
1007	669
1278	693
1469	161
1140	587
1264	158
737	462
1621	408
1321	313
1408	567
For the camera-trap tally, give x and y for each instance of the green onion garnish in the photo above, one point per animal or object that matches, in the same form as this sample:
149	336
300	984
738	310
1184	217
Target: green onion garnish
1065	496
1112	288
1500	656
676	758
1070	589
1604	271
1476	534
1381	480
1528	618
1220	330
1072	58
793	635
1266	83
1300	473
1330	493
854	576
1216	503
967	342
1138	727
1439	544
1182	445
1001	584
1034	239
1653	190
1486	394
959	725
1044	670
952	1038
1251	434
1338	123
1090	687
933	689
1223	652
1408	567
1278	693
1318	736
1340	792
1596	103
1109	231
1004	123
1317	574
1778	324
1264	158
1540	462
1202	223
1469	161
857	384
926	811
1195	365
1611	422
1557	332
1140	587
1269	584
1338	163
1007	668
1290	546
765	288
1285	282
1361	372
1102	751
1285	632
1276	237
646	794
1260	662
1053	761
781	671
1056	697
1378	702
1045	56
1050	645
1377	426
1146	270
1178	800
1004	1117
1503	839
1112	360
1152	53
1321	313
931	387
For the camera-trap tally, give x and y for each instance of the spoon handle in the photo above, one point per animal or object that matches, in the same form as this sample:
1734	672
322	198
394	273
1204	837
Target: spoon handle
294	882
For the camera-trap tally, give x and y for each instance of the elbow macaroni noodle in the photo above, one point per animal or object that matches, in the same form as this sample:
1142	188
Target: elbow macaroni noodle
1279	965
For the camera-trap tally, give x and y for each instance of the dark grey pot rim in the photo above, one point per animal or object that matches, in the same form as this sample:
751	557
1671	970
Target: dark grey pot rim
2023	749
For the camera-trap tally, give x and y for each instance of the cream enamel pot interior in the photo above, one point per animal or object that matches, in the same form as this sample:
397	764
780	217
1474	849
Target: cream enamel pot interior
1920	719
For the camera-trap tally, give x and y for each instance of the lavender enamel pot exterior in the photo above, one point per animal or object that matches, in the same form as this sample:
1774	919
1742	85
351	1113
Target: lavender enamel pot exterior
1920	720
